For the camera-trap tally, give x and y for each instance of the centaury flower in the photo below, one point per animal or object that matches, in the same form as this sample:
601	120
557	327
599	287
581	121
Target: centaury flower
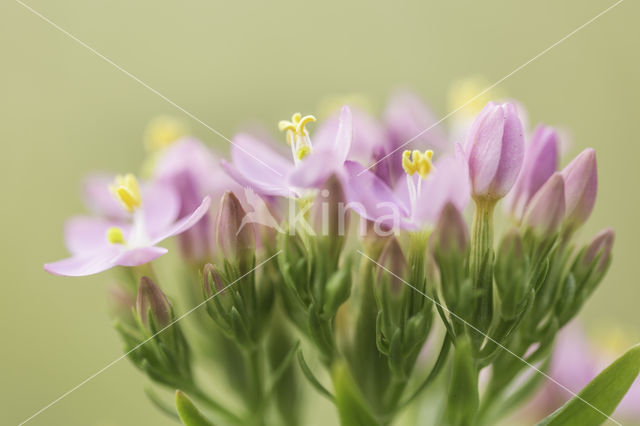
257	166
97	244
417	201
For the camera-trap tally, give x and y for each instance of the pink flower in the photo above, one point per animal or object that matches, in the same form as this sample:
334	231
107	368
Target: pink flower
415	202
191	169
267	172
97	244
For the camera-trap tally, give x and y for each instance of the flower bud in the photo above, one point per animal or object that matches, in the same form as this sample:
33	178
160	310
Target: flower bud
495	149
600	246
540	162
393	259
234	229
211	277
581	187
451	233
546	209
152	302
328	212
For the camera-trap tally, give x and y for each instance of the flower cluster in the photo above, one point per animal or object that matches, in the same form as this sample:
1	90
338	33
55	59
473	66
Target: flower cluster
347	257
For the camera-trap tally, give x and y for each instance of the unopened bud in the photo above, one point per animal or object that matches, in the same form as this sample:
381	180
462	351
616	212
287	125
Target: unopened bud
212	282
234	229
547	208
152	302
540	162
495	150
451	233
581	187
600	248
394	266
328	212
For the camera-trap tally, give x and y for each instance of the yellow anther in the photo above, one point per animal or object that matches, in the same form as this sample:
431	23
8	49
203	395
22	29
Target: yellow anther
297	123
162	132
127	191
302	152
114	235
417	162
297	134
302	122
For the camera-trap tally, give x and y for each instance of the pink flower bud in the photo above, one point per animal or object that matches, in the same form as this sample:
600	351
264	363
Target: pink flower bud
495	149
546	209
151	298
212	282
581	187
392	259
451	234
328	212
601	246
540	162
235	233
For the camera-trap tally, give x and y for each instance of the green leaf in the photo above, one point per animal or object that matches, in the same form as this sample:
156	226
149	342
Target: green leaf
188	412
463	390
352	408
597	401
311	378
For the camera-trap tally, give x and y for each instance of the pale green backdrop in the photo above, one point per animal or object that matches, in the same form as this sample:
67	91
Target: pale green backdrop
65	112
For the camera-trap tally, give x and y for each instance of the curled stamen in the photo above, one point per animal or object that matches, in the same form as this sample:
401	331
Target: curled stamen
298	135
417	162
127	191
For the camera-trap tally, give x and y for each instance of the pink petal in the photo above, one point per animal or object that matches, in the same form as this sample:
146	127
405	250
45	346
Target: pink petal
448	183
160	206
342	144
87	264
85	234
184	223
280	188
369	137
258	162
314	170
370	197
406	117
190	155
139	256
99	198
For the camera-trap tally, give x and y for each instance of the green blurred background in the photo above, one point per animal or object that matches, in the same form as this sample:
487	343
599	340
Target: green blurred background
66	112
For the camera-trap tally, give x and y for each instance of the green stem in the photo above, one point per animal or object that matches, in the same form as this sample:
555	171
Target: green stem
256	374
481	264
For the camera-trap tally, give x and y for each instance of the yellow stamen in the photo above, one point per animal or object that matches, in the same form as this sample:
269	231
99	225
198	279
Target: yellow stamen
417	162
127	191
297	134
114	235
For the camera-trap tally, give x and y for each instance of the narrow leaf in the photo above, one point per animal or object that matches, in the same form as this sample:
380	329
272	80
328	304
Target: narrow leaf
597	401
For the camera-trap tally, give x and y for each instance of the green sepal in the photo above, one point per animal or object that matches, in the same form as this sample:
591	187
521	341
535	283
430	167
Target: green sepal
337	291
188	412
597	401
